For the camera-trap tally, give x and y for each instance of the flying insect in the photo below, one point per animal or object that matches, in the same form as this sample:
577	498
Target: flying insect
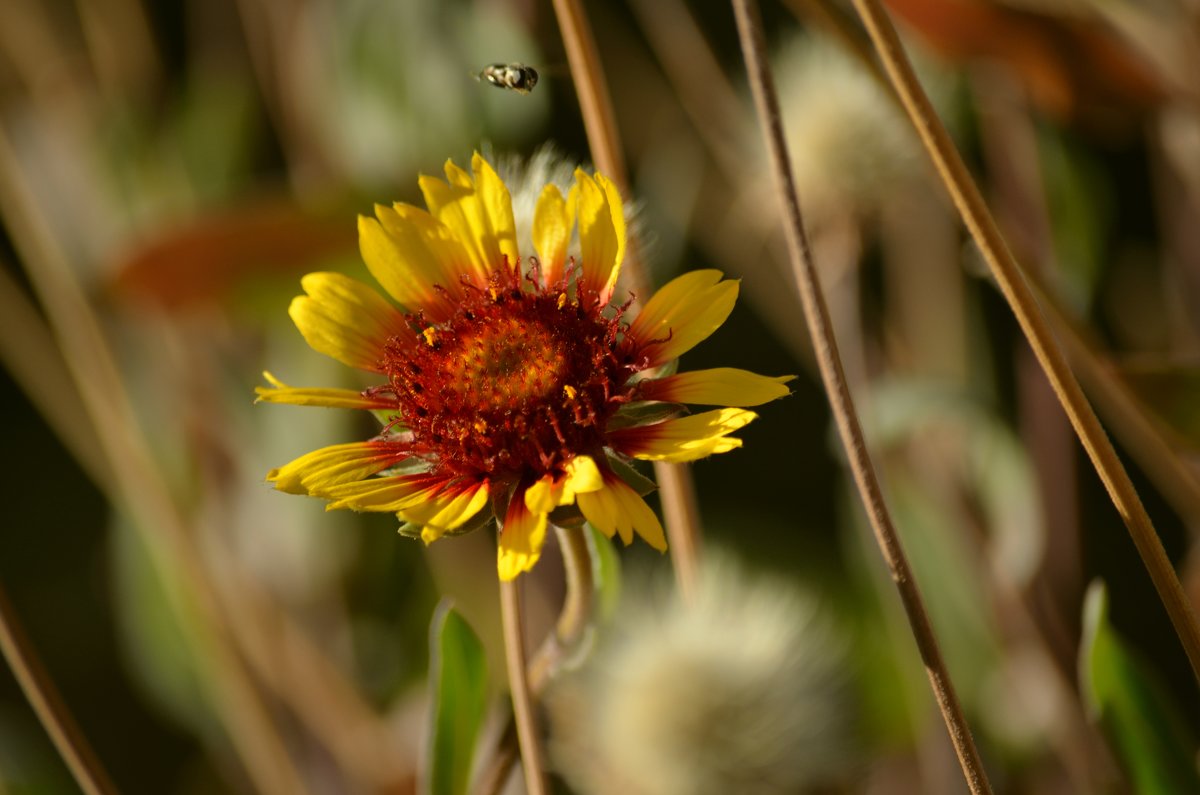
510	76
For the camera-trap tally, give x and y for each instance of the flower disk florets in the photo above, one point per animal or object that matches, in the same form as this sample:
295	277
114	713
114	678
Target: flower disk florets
519	380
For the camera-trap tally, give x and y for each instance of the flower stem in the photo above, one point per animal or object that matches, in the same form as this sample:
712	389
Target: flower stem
1020	297
825	346
572	622
528	736
680	510
53	714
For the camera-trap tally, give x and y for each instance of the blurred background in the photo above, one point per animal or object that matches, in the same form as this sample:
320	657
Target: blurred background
169	170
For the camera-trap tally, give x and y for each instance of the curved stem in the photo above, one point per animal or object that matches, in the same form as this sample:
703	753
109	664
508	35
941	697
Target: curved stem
680	510
528	736
825	346
1011	280
53	714
577	603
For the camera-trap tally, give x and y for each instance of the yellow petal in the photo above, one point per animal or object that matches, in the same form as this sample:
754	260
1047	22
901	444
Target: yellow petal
583	475
521	539
552	220
317	472
497	207
618	509
410	253
604	512
479	213
346	319
616	207
549	492
720	386
280	392
601	233
685	438
544	494
683	313
390	494
447	510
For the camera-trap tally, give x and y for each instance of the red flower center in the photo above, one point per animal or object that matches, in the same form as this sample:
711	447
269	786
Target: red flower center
521	379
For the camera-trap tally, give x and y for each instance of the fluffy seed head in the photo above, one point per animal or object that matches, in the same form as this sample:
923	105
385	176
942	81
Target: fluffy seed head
740	691
848	143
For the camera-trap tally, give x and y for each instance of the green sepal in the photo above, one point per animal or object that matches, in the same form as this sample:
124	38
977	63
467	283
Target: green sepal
636	480
385	417
476	522
567	516
662	371
410	529
644	413
409	466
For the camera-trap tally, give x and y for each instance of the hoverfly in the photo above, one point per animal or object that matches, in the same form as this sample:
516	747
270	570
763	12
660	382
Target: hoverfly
511	76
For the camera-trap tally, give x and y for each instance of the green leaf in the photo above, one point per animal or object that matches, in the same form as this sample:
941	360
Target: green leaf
1081	203
606	573
458	691
158	630
1121	693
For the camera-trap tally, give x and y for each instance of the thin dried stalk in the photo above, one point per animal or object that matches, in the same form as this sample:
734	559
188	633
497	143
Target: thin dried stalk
1016	290
681	513
53	714
834	379
138	485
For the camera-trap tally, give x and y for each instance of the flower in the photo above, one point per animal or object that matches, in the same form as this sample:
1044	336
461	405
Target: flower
742	688
514	389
